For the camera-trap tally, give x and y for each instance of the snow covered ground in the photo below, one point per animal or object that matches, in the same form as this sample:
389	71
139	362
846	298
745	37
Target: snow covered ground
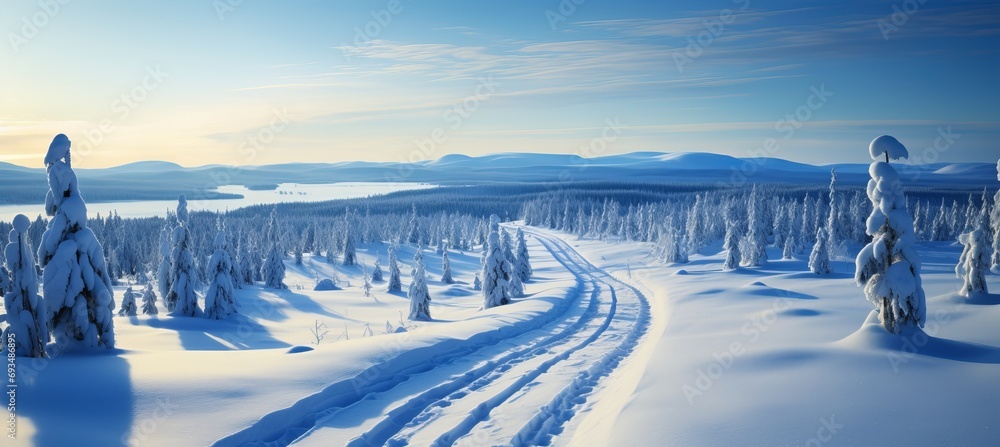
609	347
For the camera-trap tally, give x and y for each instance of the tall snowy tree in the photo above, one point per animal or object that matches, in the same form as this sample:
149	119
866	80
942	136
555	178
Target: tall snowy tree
76	285
377	272
128	308
273	270
395	284
494	274
523	265
420	297
833	230
446	269
756	254
181	299
732	246
514	284
163	272
819	259
350	253
974	263
149	301
219	299
26	312
889	267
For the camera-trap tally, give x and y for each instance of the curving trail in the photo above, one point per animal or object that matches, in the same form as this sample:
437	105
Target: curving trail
491	393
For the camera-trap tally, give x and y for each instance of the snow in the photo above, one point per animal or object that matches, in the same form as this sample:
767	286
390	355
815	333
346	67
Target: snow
556	367
887	145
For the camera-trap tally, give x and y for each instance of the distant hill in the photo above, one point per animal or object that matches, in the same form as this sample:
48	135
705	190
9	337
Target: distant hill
150	180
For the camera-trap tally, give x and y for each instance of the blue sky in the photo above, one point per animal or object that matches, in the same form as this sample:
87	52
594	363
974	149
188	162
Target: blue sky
199	82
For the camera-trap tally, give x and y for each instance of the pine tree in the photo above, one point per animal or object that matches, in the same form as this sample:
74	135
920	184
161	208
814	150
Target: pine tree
833	231
888	267
163	272
446	269
273	270
732	246
77	288
496	291
350	254
128	308
756	254
377	272
181	299
220	301
395	284
149	301
420	297
523	266
819	259
514	284
26	312
477	284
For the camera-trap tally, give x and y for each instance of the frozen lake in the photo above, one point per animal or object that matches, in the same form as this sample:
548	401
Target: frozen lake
286	192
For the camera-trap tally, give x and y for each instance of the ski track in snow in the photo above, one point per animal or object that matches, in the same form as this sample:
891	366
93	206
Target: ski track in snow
551	368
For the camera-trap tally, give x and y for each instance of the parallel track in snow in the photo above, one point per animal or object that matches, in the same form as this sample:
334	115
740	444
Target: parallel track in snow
553	369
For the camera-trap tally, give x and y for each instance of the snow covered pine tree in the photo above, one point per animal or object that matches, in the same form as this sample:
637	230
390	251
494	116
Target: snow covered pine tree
888	267
25	309
494	274
76	284
420	297
182	298
219	300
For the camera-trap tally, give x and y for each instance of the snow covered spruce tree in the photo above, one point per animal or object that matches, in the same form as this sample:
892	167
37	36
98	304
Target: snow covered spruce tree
76	285
732	246
219	300
182	300
128	308
395	284
26	312
523	266
420	297
975	260
514	284
496	290
819	259
446	269
273	269
888	267
149	300
350	252
377	272
163	272
756	239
